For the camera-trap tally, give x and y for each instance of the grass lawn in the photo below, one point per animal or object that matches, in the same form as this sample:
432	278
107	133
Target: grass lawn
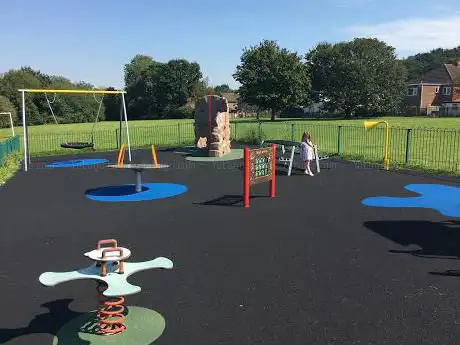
9	167
434	143
405	122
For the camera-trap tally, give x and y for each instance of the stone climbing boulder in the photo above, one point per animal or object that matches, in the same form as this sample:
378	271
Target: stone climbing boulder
212	125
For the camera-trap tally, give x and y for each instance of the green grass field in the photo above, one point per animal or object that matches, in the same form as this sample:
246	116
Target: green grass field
431	144
405	122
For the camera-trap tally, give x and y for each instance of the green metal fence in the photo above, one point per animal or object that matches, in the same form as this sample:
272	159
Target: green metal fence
8	146
435	149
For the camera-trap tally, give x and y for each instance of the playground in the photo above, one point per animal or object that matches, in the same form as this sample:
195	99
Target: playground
225	243
316	264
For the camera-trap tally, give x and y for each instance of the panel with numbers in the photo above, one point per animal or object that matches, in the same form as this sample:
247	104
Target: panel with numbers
260	161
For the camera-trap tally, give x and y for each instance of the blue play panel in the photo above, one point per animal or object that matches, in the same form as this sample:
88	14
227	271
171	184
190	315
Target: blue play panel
124	193
441	198
76	163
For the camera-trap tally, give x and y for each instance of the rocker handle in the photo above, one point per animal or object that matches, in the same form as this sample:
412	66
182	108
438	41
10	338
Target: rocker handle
112	242
121	268
111	250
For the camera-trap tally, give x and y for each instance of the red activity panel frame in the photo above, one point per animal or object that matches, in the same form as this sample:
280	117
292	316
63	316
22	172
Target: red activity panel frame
259	167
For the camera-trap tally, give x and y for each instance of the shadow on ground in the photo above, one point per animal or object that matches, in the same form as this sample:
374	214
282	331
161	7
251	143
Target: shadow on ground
229	200
423	238
49	323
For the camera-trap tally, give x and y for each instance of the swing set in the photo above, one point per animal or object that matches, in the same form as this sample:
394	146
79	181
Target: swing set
73	145
77	145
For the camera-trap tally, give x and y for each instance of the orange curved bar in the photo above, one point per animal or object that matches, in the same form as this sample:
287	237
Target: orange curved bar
154	156
121	155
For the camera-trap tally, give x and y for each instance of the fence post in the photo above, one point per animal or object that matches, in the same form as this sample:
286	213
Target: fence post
116	139
339	140
292	131
235	134
260	131
408	141
178	134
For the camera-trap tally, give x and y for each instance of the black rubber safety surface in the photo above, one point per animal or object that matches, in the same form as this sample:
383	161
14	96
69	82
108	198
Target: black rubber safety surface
311	266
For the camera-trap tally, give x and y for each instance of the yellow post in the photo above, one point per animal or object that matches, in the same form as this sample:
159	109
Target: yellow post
373	124
386	161
154	155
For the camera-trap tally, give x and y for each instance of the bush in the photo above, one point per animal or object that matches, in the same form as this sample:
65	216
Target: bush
184	112
252	137
9	167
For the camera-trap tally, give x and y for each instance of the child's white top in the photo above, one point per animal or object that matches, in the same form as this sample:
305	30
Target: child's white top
306	151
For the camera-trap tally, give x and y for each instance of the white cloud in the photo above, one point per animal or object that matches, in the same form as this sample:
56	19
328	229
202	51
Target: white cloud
414	35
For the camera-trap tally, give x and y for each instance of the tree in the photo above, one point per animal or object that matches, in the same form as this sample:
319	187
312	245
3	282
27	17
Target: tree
136	73
7	106
21	79
136	67
359	76
170	85
419	64
222	88
272	77
201	89
112	106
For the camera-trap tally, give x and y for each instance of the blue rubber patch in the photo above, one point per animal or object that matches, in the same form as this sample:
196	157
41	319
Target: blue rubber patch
77	163
441	198
123	193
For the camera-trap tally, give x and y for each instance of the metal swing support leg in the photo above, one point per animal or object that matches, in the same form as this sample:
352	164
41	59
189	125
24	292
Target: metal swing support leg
123	101
318	170
291	160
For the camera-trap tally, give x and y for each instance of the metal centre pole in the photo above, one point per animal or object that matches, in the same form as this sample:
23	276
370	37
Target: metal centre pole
138	180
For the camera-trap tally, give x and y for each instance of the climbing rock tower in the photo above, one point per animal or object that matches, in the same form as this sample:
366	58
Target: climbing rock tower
212	125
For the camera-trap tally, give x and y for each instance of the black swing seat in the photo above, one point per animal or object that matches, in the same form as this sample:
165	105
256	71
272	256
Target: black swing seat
77	145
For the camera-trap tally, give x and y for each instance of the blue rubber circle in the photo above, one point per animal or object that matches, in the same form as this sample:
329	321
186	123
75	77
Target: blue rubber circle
76	163
127	193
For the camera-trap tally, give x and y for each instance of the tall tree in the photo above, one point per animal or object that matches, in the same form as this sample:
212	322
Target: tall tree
112	106
23	78
419	64
362	75
272	77
201	89
222	88
136	67
136	72
170	85
7	106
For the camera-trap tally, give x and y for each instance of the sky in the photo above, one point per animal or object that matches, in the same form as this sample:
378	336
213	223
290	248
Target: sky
92	40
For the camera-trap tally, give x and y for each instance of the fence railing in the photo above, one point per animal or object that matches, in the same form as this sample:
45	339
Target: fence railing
435	149
8	146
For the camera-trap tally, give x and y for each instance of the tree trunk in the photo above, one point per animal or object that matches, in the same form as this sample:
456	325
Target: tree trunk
258	114
273	118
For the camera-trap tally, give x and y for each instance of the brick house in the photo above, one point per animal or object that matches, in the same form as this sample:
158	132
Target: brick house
232	99
435	92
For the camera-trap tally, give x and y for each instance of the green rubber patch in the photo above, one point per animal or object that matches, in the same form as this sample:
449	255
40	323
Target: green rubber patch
201	155
143	327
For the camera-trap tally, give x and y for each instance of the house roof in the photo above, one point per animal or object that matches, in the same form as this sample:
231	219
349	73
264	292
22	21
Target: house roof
445	74
230	96
454	71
